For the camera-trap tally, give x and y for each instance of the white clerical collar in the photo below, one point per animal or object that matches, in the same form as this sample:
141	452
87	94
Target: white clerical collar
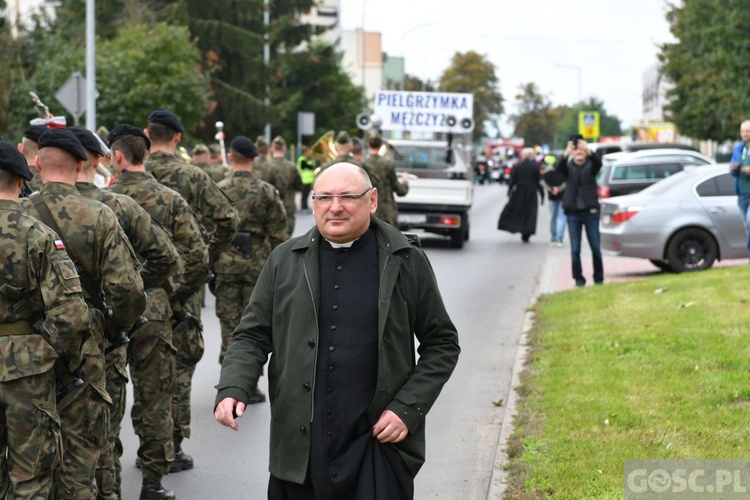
341	245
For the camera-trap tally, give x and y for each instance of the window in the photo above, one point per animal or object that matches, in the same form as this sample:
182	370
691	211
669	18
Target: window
630	173
421	157
664	170
720	185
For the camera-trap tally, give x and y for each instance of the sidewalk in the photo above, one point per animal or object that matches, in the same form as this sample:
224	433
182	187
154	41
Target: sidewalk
556	274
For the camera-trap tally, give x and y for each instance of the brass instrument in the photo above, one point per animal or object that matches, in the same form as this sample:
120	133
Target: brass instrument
324	149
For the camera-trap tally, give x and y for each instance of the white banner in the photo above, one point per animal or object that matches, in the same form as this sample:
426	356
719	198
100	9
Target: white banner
427	111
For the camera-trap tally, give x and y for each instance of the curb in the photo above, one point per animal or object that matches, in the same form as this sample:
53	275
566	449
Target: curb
546	284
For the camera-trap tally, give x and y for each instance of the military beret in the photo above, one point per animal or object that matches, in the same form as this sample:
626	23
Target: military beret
12	161
166	118
244	146
260	141
343	138
124	130
89	140
34	132
279	141
64	139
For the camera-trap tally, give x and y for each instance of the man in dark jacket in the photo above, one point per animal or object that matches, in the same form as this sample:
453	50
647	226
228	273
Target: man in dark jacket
339	307
581	204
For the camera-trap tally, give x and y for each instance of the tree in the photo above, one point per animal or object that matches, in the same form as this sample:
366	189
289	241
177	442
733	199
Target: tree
536	120
140	69
609	125
473	73
10	68
708	65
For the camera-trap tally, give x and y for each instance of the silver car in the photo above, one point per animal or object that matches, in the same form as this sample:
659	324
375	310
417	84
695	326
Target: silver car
682	223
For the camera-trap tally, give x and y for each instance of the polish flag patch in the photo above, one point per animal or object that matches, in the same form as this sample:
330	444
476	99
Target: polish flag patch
59	245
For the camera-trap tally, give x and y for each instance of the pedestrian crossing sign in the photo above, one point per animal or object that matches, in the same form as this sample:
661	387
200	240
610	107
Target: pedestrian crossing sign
588	124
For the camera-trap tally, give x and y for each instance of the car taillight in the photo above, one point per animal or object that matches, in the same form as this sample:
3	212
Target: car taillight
507	170
603	191
624	214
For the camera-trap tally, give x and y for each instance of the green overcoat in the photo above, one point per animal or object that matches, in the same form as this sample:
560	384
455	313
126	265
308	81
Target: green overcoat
282	318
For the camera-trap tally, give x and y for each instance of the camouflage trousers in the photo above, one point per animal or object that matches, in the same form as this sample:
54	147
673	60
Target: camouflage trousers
84	419
108	468
231	300
190	346
29	436
153	388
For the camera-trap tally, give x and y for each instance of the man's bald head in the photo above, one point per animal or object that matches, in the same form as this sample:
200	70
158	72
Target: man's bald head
337	168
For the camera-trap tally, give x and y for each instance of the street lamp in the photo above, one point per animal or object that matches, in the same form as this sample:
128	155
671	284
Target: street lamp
578	71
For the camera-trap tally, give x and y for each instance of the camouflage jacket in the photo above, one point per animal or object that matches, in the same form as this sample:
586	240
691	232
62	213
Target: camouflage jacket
171	210
216	171
98	246
210	204
152	244
35	268
279	178
285	168
388	185
262	217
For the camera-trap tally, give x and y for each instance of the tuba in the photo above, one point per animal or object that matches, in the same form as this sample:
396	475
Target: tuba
324	149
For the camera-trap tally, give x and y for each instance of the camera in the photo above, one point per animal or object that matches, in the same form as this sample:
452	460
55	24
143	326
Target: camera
574	139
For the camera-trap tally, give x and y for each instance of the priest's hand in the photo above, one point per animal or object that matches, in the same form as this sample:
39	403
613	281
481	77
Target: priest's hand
227	411
390	428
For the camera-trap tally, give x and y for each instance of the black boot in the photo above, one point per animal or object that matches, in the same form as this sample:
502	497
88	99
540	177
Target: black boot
182	461
153	490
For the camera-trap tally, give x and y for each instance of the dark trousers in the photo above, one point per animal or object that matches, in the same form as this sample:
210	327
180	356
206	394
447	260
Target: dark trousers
577	221
304	195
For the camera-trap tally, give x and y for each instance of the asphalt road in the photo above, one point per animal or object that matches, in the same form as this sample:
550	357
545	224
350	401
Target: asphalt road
486	287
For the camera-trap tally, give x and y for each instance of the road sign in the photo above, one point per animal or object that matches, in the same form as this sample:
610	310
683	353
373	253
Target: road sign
72	95
588	124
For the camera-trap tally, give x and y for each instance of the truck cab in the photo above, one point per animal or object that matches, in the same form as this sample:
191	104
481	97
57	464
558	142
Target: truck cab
440	189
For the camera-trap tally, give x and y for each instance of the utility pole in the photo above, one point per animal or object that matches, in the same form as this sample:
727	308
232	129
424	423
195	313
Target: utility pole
266	60
90	66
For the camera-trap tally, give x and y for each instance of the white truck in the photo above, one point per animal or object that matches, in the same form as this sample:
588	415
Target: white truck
440	189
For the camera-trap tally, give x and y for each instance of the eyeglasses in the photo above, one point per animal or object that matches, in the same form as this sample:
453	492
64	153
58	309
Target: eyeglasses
344	199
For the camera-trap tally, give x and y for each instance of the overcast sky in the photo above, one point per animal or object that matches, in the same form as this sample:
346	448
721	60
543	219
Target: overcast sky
610	43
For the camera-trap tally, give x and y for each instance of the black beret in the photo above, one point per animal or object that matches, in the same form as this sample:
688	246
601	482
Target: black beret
166	118
125	130
12	161
64	139
34	132
244	146
88	140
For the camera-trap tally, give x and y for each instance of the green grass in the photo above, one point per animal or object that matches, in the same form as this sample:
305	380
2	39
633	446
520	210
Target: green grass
649	369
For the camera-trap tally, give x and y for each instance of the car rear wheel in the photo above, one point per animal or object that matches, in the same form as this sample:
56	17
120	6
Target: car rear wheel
664	266
691	250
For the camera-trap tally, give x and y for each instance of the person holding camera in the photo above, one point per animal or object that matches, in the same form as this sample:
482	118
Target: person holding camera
579	166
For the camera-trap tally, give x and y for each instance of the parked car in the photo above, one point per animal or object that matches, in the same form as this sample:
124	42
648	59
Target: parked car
627	173
683	223
603	148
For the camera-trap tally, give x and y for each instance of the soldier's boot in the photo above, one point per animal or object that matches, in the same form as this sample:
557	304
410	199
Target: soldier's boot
182	461
153	490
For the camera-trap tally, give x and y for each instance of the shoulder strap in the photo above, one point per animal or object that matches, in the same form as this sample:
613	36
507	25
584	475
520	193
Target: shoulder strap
91	290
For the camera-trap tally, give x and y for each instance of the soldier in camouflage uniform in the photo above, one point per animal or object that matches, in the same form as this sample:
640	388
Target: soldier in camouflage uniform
260	165
279	163
262	228
343	149
129	147
202	158
100	249
29	148
159	260
218	217
389	183
38	283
